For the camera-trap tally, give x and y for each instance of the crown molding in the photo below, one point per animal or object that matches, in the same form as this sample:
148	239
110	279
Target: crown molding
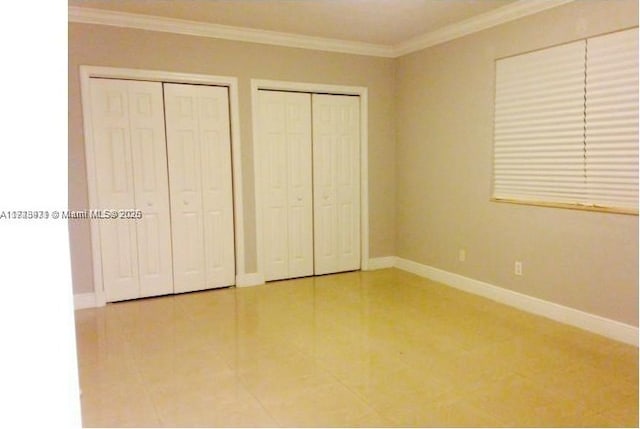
502	15
192	28
516	10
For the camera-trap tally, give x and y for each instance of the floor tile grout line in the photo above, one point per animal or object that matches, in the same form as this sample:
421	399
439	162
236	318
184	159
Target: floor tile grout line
257	399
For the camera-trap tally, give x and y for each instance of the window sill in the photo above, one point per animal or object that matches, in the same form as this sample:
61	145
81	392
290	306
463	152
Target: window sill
615	210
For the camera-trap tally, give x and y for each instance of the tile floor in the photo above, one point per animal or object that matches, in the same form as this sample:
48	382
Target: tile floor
373	349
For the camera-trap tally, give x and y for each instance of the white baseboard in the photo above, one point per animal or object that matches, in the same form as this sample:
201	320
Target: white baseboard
249	279
84	300
93	300
381	263
590	322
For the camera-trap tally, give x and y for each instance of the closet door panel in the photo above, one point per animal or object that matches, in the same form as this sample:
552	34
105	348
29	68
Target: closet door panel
199	158
348	184
336	167
272	152
284	150
217	196
185	188
300	203
146	115
112	147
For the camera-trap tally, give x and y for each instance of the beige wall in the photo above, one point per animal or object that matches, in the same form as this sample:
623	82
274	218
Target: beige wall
116	47
583	260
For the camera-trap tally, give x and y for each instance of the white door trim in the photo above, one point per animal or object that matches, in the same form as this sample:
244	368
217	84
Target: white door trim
88	72
258	84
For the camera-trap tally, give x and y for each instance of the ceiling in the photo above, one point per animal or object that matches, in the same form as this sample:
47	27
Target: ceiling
380	22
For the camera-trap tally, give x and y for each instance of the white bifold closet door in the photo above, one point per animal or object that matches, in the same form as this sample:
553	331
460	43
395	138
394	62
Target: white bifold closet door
308	151
284	150
131	166
199	159
336	183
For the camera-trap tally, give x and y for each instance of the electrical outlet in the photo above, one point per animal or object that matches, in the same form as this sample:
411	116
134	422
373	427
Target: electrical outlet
462	255
518	268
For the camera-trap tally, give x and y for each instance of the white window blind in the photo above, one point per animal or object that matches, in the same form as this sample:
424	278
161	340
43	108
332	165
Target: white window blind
566	124
612	119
